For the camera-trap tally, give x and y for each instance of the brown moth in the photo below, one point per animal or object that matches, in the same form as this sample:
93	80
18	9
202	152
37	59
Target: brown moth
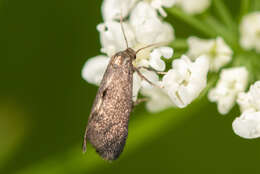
107	127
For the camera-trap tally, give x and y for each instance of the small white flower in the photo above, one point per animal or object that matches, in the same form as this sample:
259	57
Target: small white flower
216	50
194	6
186	80
155	57
232	81
247	125
158	100
148	27
250	31
112	38
113	9
159	4
250	101
94	69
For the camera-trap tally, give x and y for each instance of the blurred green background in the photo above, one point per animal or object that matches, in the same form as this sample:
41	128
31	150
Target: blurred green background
44	104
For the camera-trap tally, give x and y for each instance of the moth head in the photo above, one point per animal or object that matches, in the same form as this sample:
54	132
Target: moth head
131	53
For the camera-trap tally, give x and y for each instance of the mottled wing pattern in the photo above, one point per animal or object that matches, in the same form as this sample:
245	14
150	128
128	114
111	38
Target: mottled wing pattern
107	128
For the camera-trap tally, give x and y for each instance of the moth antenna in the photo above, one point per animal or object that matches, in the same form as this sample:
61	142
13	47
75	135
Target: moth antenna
152	45
122	28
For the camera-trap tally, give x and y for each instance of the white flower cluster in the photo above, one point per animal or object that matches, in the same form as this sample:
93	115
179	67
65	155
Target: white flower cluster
142	25
184	81
250	31
248	124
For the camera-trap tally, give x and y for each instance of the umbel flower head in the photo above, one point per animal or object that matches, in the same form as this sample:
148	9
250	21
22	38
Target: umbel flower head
181	75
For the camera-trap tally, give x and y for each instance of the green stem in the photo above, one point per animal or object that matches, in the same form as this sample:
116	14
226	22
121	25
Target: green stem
176	55
256	5
211	82
244	8
250	60
225	15
221	30
192	21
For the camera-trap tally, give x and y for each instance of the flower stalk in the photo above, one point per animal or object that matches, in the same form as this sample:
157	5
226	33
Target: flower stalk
225	15
192	21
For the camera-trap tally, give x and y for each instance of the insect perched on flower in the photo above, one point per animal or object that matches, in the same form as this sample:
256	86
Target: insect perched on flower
221	55
107	127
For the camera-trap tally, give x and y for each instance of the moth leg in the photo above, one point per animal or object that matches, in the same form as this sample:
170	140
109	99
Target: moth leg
140	100
151	69
144	78
84	149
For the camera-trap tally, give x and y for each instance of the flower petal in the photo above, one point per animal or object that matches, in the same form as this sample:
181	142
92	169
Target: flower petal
113	9
250	101
159	4
151	76
136	86
148	27
112	38
155	57
94	69
158	99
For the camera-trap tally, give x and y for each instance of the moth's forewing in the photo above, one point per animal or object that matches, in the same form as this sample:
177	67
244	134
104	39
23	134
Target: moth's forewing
107	127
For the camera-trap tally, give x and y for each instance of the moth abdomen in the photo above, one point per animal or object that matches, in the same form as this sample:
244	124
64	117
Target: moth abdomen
113	146
107	138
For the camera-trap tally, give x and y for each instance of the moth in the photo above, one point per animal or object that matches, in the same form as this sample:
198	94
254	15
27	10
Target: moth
107	127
